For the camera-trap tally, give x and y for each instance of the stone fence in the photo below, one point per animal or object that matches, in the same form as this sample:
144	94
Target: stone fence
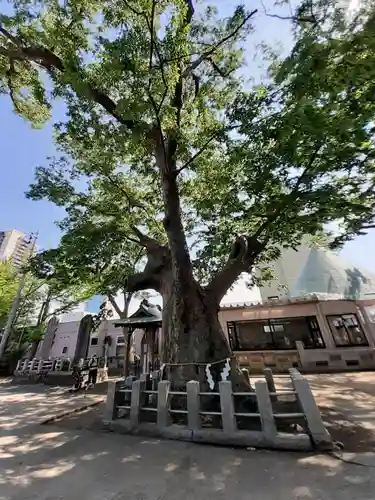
42	365
139	407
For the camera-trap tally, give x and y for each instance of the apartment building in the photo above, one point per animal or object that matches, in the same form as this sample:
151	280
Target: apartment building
15	246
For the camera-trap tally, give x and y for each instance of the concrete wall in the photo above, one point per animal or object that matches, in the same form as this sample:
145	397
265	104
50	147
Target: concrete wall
65	336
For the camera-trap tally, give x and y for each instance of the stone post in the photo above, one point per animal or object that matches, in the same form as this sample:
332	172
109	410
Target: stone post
269	379
129	381
246	374
113	398
40	365
193	405
136	401
163	416
227	407
316	429
301	353
265	410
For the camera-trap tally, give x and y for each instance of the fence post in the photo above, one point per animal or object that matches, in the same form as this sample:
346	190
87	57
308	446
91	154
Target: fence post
246	374
163	416
136	401
227	407
318	433
193	405
265	409
269	379
113	396
129	381
40	365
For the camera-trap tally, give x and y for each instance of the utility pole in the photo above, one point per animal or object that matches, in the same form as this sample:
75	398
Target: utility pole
16	303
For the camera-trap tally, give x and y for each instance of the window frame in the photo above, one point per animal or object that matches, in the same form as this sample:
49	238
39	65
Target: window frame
94	343
348	332
314	333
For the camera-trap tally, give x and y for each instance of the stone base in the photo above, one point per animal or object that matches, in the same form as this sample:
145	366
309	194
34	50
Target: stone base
241	439
62	379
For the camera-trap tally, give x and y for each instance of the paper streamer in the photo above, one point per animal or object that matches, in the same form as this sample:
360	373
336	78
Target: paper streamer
226	370
210	380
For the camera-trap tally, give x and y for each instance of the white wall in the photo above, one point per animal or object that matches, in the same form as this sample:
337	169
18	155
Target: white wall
66	336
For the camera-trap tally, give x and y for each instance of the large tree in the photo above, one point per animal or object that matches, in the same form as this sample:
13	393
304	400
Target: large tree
212	175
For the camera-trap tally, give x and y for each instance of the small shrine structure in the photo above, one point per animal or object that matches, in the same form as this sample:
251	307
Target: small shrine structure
148	318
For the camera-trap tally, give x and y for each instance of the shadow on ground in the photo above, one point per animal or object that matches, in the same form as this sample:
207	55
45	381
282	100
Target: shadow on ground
65	460
52	463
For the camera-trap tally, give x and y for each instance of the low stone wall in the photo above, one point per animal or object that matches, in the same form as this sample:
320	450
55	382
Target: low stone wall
341	359
278	361
128	403
49	372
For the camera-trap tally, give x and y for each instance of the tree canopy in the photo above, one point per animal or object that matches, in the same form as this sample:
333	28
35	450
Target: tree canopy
165	146
8	289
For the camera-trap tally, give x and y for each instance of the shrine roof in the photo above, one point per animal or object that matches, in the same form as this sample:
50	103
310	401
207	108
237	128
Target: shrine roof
145	315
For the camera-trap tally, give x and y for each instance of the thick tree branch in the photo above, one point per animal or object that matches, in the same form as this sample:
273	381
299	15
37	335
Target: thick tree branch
127	299
156	270
46	59
9	36
241	259
146	241
114	304
213	48
297	19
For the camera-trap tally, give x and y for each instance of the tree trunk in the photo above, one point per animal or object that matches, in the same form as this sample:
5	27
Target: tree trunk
43	313
127	332
193	337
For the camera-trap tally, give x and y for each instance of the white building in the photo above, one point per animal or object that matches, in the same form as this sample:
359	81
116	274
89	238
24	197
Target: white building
16	246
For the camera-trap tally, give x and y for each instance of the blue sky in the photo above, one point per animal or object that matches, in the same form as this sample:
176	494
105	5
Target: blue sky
23	148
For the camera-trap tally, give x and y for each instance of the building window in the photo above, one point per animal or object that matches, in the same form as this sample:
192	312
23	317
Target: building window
275	334
65	350
120	340
94	341
346	330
